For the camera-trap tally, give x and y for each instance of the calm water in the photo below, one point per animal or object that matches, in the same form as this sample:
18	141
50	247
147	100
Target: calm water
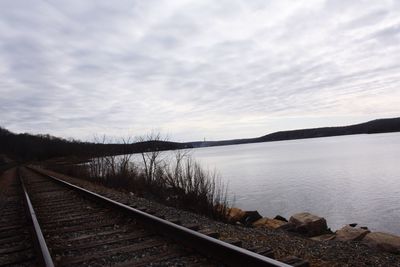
344	179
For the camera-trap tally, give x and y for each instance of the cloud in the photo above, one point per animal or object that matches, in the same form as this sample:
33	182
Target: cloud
215	69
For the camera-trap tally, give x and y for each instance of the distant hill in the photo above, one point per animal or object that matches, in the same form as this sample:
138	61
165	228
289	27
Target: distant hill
371	127
40	147
27	147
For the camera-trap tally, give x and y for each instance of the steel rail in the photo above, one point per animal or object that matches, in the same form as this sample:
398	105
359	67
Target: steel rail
6	167
211	247
39	241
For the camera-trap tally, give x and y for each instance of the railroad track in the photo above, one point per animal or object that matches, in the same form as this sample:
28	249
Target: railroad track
75	227
16	243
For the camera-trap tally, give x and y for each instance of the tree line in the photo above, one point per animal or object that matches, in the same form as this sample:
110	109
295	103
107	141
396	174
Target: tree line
29	147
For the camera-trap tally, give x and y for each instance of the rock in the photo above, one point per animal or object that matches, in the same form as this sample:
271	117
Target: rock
281	218
250	217
244	217
235	214
383	241
289	227
308	224
348	233
353	224
269	223
324	237
364	227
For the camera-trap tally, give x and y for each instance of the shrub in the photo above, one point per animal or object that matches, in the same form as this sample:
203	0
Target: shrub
180	182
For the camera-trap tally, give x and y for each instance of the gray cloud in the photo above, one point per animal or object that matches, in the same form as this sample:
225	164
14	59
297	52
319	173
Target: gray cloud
215	69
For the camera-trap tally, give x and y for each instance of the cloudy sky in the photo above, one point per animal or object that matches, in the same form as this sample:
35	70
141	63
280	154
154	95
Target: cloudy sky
196	69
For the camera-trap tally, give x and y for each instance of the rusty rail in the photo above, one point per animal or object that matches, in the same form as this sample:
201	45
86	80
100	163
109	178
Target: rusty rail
39	241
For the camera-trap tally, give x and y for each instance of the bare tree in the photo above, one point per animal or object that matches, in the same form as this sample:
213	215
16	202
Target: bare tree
125	159
180	181
151	157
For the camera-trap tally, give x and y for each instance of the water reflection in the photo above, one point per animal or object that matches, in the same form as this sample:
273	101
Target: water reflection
344	179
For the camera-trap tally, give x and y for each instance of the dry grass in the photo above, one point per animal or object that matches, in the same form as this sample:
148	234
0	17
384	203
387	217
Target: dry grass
180	182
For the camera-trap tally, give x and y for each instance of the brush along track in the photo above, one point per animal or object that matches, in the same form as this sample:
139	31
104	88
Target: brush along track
95	231
16	245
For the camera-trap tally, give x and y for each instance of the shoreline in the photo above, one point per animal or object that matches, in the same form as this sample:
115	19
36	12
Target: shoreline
316	228
333	227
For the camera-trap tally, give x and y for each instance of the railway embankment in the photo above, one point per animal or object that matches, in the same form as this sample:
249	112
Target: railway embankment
304	237
74	226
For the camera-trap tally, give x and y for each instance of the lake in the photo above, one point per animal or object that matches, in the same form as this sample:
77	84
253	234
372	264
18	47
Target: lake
346	179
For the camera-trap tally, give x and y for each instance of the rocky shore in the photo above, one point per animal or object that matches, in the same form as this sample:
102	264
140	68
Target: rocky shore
315	227
303	236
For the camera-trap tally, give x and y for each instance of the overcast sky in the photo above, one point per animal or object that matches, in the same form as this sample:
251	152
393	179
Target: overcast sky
196	69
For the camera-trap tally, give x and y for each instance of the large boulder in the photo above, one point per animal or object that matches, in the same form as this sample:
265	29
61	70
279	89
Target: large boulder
269	223
349	233
383	241
308	224
250	217
244	217
236	214
281	218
